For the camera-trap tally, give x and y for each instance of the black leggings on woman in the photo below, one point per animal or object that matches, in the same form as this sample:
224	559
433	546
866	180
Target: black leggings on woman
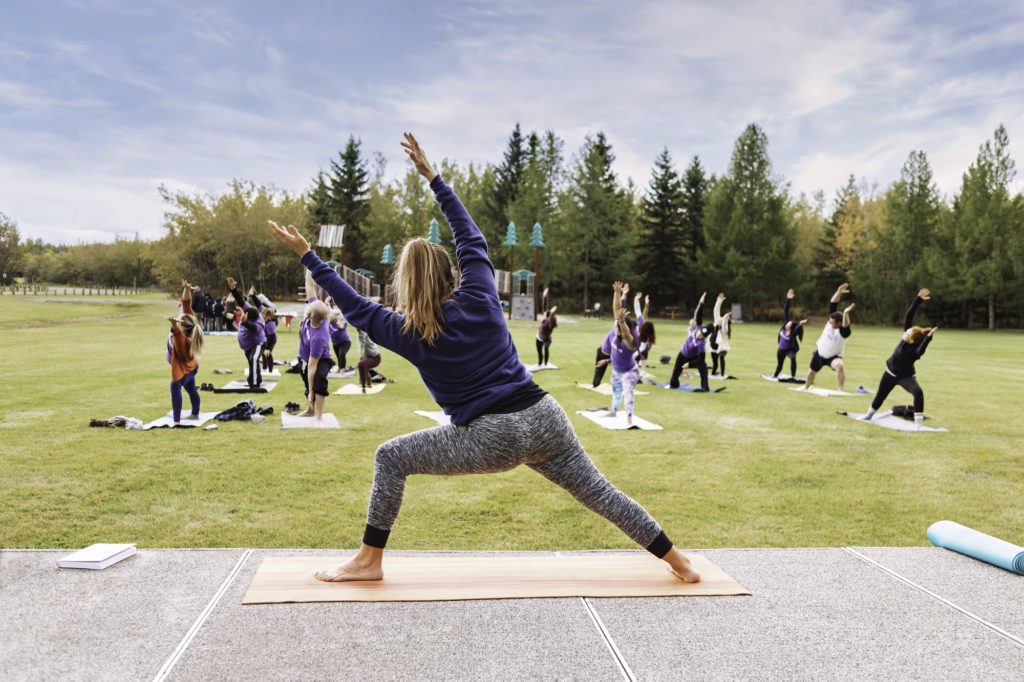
268	353
698	363
341	350
542	351
780	355
716	358
890	382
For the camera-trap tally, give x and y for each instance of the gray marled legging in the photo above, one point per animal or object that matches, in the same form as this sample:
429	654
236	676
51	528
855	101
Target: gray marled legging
540	437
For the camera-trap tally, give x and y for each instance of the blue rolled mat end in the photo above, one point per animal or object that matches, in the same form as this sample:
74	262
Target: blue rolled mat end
977	545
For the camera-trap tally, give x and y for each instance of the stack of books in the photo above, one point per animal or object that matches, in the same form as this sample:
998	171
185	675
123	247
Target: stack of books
97	556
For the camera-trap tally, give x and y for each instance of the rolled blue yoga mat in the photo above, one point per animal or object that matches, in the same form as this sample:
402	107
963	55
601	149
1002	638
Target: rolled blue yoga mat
977	545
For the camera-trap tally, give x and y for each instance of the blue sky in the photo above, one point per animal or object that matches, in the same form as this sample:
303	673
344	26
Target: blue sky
102	101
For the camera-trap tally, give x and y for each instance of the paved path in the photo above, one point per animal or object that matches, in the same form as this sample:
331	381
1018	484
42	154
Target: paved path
843	613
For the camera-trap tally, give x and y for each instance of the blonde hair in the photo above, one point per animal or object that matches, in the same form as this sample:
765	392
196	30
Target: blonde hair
336	316
424	279
195	335
318	312
915	334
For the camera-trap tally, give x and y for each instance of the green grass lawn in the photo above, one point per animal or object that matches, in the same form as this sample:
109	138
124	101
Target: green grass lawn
757	465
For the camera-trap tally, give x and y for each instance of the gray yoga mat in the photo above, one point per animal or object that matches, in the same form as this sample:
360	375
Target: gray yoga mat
977	545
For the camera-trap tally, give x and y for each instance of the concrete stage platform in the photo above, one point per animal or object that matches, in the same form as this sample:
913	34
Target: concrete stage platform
836	613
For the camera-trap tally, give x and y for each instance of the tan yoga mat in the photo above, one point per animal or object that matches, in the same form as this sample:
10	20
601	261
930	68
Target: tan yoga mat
282	580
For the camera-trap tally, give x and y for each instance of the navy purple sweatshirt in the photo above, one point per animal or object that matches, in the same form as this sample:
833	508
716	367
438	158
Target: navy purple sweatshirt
474	364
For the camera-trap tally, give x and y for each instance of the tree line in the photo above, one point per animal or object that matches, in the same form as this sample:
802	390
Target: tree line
742	232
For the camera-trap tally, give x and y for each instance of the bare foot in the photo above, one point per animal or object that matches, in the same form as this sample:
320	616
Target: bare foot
352	570
307	413
319	423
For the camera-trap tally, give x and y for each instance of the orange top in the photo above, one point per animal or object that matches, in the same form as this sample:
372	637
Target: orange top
182	361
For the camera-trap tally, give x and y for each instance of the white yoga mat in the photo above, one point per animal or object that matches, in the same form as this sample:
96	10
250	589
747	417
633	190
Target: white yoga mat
539	368
826	392
606	389
168	420
618	422
440	417
719	377
264	373
240	386
335	374
354	389
294	421
887	421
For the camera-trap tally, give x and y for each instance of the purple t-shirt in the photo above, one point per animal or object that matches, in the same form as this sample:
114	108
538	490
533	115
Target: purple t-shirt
339	334
270	327
319	341
304	340
786	341
247	339
622	355
693	346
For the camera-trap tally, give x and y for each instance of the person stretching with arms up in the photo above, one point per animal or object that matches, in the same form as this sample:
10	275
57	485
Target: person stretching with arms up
450	325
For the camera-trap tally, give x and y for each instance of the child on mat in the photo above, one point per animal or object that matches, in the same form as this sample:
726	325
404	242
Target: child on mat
790	335
645	328
450	324
545	330
320	362
625	372
184	346
829	348
720	346
252	335
899	368
270	330
692	352
369	358
340	340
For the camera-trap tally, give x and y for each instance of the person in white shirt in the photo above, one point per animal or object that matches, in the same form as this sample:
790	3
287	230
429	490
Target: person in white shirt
720	346
829	348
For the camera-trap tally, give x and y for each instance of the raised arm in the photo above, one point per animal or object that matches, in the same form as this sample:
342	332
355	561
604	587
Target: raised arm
834	303
698	314
718	308
186	298
647	307
616	300
636	307
786	311
922	296
382	324
927	339
470	245
844	330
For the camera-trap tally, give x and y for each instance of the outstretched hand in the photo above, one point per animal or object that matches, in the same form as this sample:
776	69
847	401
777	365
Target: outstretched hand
843	289
931	332
848	309
616	286
418	157
924	294
790	294
647	299
290	237
703	297
721	296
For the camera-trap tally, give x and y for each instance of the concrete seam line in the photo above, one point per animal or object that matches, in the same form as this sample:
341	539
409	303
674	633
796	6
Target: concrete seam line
609	642
172	660
978	619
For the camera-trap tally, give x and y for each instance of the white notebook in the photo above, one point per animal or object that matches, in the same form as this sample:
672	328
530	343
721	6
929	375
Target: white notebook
97	556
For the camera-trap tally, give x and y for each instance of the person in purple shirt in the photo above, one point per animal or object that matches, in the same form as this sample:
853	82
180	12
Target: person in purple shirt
450	325
270	329
623	347
319	362
790	334
340	340
252	335
692	352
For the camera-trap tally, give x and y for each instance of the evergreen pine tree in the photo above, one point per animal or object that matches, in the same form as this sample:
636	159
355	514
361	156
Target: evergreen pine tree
695	196
349	202
663	245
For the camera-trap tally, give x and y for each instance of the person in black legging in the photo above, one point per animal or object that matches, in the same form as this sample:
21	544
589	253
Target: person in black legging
899	368
545	331
790	335
692	352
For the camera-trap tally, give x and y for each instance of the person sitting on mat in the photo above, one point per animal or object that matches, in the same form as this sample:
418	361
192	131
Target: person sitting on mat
545	330
720	345
625	371
692	352
450	325
252	335
369	358
319	363
828	351
184	346
645	328
790	335
899	368
340	340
